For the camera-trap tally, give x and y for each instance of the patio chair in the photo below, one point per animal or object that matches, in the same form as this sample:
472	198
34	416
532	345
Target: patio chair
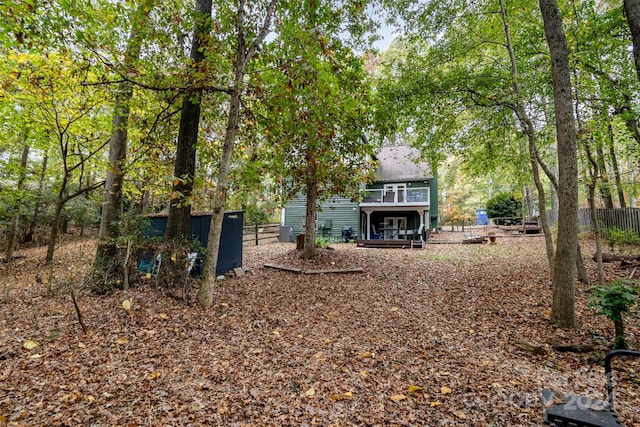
375	235
389	197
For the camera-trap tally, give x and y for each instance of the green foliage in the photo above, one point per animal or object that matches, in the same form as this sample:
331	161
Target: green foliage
322	242
624	239
614	299
504	205
83	212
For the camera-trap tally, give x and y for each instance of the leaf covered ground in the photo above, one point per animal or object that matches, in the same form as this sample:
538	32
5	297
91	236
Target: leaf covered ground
421	337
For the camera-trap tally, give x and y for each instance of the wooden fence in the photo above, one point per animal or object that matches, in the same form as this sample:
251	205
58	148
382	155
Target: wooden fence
254	234
623	219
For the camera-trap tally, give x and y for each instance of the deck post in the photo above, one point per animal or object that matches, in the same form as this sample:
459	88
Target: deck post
368	212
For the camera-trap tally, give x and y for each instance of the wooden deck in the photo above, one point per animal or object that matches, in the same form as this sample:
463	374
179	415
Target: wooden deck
391	243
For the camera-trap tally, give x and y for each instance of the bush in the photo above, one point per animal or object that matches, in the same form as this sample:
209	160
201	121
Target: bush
612	300
625	239
504	205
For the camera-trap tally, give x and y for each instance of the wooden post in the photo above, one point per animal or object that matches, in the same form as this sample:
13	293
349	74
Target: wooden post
256	234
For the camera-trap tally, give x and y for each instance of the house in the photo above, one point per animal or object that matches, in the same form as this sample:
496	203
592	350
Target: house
402	198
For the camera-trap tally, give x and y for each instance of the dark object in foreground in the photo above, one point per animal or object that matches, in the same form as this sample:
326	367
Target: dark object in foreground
562	410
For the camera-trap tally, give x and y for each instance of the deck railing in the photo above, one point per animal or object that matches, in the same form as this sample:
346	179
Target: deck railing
407	196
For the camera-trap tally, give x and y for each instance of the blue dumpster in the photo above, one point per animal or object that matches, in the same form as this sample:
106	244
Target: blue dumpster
230	251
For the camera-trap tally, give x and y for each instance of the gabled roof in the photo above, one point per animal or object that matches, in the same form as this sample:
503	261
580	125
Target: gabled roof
401	163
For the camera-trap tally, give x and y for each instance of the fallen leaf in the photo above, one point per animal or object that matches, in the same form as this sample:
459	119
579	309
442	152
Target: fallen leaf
163	316
398	397
311	392
394	309
460	415
126	304
29	344
445	390
122	340
434	404
412	389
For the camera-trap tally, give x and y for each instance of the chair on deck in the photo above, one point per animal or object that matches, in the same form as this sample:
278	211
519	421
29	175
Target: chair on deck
375	235
389	197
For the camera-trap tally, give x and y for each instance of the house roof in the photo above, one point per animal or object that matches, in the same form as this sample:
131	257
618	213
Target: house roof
401	163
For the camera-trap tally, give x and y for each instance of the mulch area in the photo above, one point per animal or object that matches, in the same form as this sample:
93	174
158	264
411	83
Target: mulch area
420	337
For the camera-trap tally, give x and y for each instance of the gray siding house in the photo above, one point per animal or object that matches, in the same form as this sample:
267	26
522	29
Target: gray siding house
402	198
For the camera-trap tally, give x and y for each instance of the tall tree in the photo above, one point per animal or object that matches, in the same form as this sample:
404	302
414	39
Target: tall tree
318	105
185	163
632	10
563	306
112	204
247	43
530	132
22	175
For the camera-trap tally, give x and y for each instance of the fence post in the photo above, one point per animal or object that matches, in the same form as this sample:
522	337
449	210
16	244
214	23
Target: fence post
256	234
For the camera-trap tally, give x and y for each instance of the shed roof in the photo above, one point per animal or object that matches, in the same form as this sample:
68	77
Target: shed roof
401	163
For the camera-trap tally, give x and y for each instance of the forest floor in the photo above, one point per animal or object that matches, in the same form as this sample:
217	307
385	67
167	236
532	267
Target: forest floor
421	337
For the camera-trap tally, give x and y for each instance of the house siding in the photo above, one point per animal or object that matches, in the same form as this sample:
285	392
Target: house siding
341	211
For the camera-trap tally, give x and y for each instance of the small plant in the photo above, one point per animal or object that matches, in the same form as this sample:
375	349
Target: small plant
322	242
612	300
625	239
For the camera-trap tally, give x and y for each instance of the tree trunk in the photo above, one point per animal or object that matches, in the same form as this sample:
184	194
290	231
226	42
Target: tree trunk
205	294
605	185
38	202
592	180
632	10
620	339
596	230
563	306
544	220
583	274
244	54
55	230
112	202
13	230
185	164
528	197
311	189
530	132
616	168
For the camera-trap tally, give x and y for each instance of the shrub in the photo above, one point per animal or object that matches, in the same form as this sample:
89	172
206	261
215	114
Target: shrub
623	238
504	205
612	300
